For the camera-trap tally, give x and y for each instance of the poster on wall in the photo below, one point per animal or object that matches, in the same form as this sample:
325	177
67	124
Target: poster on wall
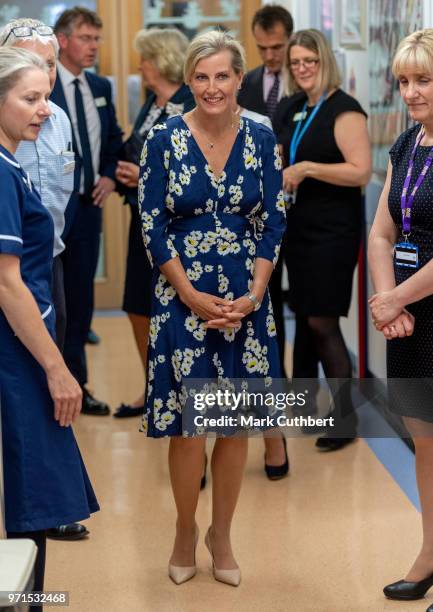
353	24
390	21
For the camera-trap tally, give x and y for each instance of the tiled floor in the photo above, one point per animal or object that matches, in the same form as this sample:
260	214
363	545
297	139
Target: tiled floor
327	538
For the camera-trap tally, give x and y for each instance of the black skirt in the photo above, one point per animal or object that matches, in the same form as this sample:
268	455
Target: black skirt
137	295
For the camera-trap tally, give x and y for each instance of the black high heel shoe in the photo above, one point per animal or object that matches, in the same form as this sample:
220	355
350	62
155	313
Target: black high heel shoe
203	478
430	609
408	591
276	472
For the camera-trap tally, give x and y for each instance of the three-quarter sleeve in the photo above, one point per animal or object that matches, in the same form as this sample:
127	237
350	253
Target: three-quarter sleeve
152	192
11	240
271	218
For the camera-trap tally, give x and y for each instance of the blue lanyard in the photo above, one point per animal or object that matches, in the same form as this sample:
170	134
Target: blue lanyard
299	134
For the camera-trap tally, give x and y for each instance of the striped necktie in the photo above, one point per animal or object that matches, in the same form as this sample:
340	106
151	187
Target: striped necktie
272	99
86	153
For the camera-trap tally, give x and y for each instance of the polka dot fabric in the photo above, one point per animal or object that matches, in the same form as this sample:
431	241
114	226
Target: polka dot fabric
412	357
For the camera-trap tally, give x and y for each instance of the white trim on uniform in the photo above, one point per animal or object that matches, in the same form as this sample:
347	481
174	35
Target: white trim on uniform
45	314
7	237
16	164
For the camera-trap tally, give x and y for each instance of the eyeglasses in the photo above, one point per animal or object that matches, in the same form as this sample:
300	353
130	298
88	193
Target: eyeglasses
87	39
308	62
25	31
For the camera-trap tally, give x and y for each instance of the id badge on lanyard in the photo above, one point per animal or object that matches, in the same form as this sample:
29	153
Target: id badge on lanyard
406	254
301	128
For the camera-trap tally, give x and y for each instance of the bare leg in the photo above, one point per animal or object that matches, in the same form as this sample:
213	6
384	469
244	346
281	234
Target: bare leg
186	463
140	327
228	462
422	434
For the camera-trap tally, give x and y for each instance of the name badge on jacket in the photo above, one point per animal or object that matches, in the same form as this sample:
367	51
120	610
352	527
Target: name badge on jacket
100	102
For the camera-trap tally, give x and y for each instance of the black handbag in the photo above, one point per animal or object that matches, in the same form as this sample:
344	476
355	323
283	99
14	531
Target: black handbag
132	148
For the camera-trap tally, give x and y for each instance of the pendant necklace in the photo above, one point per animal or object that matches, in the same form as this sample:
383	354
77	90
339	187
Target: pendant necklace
232	125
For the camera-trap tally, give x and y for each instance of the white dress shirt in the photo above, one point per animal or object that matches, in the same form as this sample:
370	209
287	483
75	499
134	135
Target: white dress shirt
50	162
92	116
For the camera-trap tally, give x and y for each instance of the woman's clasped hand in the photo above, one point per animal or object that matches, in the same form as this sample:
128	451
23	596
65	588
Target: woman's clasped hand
294	175
218	313
390	317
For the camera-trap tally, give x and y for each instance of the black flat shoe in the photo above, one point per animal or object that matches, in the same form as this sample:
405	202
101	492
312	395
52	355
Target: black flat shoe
408	591
430	609
73	531
93	406
203	478
326	444
276	472
125	411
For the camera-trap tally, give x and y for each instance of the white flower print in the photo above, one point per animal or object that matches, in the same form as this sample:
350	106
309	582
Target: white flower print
277	158
179	143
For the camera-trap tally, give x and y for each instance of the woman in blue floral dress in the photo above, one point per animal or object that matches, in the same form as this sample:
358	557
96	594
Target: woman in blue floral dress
213	216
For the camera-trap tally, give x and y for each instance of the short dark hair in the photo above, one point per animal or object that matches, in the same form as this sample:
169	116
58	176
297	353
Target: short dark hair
75	17
271	14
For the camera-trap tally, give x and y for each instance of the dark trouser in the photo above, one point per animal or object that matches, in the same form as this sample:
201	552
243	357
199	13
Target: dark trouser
58	292
40	539
80	260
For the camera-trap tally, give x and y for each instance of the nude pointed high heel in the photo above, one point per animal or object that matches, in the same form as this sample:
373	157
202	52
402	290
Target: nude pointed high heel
179	573
228	576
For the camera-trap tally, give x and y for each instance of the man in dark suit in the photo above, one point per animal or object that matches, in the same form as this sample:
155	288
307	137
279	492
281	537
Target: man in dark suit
262	87
97	140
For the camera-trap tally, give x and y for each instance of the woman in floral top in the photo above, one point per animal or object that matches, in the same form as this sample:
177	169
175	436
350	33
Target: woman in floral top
162	53
212	211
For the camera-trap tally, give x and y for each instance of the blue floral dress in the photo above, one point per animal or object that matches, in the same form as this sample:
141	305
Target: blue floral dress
217	226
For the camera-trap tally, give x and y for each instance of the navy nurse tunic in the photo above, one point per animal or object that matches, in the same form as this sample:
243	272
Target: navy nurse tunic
45	481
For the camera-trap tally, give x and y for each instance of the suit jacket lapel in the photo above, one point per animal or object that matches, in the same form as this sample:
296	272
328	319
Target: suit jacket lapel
58	97
260	88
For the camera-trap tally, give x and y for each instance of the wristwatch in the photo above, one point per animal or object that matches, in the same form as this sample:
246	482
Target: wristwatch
253	299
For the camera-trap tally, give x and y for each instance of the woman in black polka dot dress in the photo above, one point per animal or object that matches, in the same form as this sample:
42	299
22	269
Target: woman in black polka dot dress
401	264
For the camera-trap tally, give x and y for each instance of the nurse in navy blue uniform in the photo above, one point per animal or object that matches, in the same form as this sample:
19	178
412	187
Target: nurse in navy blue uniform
45	481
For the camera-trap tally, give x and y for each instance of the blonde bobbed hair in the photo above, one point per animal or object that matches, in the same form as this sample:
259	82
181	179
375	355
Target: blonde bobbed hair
212	42
316	42
415	52
166	48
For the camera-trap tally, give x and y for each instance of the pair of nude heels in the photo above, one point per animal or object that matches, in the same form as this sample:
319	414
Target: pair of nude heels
181	574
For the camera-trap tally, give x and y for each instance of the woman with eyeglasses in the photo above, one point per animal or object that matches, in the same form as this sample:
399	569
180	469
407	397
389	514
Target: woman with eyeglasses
324	137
